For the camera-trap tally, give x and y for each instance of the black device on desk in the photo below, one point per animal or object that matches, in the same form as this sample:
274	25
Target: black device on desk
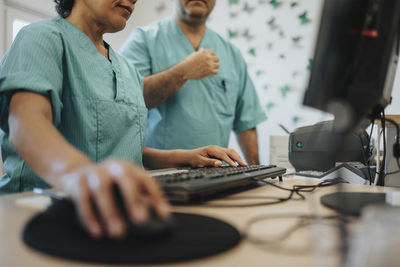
191	184
312	147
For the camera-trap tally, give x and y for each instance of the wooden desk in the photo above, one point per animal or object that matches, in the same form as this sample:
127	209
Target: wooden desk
14	253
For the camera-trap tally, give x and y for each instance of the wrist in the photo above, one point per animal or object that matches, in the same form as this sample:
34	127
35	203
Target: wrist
181	71
253	159
60	170
181	157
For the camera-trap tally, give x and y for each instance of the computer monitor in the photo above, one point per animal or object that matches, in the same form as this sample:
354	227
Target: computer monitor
352	76
355	60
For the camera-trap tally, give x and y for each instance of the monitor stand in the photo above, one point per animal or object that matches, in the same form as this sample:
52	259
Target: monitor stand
352	203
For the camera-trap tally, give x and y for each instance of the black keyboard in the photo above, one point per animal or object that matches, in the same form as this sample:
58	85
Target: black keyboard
186	184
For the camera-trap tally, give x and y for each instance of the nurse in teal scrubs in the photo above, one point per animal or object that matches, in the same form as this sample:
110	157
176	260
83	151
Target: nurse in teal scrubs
73	116
196	83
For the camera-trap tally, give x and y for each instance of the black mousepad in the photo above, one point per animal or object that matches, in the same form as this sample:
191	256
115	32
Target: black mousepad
56	232
352	203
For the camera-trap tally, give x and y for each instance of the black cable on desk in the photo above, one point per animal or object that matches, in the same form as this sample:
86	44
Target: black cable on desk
296	189
305	220
365	154
381	171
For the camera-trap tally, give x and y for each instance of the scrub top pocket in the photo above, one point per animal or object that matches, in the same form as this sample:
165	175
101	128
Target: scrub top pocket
125	120
225	92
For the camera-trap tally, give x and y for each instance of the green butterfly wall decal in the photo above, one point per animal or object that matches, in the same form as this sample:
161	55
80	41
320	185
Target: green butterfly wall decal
303	18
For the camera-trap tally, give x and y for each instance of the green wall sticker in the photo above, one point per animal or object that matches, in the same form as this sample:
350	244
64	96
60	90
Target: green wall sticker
232	34
275	3
270	105
285	90
303	18
309	66
252	51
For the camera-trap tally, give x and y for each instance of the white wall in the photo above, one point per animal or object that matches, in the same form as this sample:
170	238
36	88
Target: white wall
394	108
43	8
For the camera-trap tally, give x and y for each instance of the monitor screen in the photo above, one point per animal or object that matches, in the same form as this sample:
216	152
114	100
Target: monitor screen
355	59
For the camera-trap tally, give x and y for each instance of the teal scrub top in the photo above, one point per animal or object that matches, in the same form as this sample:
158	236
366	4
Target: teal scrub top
202	112
98	105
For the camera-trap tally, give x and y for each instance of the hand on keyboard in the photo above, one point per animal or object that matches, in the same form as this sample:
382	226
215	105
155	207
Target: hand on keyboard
212	156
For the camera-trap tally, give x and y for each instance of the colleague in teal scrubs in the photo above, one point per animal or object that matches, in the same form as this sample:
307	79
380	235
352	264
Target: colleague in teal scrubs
196	83
73	116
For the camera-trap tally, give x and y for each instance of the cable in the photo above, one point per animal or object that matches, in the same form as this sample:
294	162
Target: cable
296	189
305	220
364	153
381	178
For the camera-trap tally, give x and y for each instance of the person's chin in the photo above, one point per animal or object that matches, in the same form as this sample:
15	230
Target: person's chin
117	25
197	14
198	10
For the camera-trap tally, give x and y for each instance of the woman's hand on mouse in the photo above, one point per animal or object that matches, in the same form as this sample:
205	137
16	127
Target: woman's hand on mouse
90	188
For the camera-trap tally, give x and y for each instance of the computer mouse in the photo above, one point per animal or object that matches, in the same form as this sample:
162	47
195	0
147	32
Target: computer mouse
154	227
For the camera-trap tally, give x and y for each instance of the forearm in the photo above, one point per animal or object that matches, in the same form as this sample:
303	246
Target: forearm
158	87
40	144
248	142
159	159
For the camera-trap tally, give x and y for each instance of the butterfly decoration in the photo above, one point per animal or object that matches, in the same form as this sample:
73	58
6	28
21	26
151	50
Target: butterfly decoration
252	51
303	18
275	3
248	35
295	74
310	62
285	90
296	41
259	73
270	105
232	34
233	14
272	25
248	9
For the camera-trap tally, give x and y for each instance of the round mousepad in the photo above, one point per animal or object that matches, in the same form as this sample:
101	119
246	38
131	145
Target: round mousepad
57	232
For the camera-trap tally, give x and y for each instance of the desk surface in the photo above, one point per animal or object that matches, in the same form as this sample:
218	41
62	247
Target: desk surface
14	253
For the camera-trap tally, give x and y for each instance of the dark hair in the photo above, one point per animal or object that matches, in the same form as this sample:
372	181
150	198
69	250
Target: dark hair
64	7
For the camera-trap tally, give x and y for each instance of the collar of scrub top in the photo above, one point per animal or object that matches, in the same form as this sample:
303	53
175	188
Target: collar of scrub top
184	40
88	45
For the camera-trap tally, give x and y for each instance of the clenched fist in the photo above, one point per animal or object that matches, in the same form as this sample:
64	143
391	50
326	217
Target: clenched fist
201	64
